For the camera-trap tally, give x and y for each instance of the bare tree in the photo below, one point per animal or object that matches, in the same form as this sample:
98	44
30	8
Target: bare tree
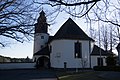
105	12
76	8
108	37
84	63
93	10
16	20
105	37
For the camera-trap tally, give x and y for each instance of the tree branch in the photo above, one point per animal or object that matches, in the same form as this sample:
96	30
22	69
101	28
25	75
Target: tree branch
82	14
76	4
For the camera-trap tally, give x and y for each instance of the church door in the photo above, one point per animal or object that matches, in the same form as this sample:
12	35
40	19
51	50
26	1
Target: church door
100	61
43	62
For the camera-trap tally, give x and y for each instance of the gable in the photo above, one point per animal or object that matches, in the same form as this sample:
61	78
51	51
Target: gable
44	51
96	51
70	30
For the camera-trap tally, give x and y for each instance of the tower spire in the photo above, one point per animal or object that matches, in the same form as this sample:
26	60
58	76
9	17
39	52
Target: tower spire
41	25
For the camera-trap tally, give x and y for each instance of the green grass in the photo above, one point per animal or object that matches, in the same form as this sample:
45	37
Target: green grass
80	76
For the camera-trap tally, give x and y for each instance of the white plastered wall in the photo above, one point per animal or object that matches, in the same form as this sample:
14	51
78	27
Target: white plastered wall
63	51
94	60
38	42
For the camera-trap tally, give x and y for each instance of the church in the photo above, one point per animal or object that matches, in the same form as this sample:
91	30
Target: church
69	48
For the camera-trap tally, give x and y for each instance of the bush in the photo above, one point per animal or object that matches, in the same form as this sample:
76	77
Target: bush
111	60
106	68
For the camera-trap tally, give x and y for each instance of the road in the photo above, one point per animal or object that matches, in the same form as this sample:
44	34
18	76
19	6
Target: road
33	74
27	75
110	75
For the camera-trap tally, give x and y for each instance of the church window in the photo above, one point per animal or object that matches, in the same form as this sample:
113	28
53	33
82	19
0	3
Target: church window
41	46
50	48
42	37
78	50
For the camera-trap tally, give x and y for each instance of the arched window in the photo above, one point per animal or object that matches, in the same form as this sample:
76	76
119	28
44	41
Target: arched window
78	50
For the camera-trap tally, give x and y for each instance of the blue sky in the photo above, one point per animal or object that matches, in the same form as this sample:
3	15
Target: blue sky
18	50
22	50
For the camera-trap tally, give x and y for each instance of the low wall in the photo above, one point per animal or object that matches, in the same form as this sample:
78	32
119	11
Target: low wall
17	65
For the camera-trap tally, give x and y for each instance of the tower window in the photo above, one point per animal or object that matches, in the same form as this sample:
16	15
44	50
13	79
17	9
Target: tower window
42	37
78	50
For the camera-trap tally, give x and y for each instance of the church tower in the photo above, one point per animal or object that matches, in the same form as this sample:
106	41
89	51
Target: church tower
40	36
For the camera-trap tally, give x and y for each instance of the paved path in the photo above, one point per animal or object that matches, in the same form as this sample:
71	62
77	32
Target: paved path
110	75
93	75
27	75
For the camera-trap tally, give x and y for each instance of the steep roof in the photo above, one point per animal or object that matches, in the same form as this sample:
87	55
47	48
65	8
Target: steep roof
118	46
70	30
44	51
50	38
96	51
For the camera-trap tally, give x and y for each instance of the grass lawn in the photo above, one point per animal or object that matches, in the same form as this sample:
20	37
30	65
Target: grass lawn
80	76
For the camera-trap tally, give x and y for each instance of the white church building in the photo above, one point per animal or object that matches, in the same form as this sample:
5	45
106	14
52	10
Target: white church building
70	47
